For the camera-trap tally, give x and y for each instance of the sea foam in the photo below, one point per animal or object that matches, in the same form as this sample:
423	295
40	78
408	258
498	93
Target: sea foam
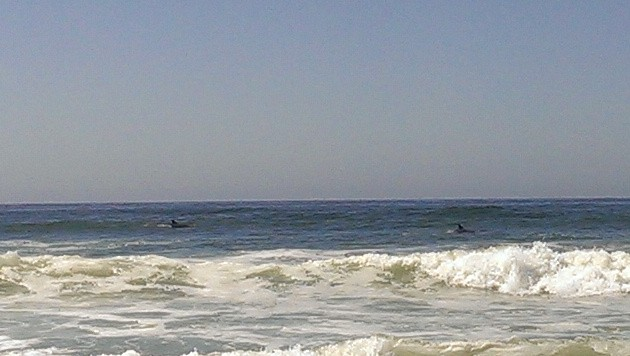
535	269
518	270
382	345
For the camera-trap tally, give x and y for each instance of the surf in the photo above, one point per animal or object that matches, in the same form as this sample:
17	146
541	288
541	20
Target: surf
534	269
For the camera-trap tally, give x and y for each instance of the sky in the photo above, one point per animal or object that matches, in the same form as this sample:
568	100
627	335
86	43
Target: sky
113	101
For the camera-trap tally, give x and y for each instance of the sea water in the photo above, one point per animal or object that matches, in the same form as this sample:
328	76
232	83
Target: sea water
536	277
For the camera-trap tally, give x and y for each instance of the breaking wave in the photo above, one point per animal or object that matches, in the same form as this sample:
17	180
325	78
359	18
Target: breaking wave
515	270
383	345
379	345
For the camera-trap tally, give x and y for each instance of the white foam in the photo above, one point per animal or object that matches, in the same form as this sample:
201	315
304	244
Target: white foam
360	347
11	347
135	353
533	270
126	353
10	259
7	344
517	270
383	345
378	345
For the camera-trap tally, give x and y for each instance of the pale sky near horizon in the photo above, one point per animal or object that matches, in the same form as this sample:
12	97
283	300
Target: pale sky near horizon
222	100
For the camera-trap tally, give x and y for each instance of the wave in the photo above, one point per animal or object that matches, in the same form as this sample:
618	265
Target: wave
514	270
381	345
384	345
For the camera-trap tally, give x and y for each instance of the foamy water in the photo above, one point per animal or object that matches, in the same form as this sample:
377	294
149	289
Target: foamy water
516	270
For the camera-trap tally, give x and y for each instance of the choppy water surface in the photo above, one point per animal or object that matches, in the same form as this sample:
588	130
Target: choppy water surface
317	278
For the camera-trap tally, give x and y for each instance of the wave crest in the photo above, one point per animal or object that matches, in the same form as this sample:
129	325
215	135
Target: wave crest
516	270
383	345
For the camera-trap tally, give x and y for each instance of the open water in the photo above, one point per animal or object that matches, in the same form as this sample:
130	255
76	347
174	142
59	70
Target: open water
537	277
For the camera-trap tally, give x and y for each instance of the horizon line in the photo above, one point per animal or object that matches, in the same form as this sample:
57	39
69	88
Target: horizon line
79	202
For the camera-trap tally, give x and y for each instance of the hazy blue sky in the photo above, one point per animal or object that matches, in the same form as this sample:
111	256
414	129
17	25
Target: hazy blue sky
208	100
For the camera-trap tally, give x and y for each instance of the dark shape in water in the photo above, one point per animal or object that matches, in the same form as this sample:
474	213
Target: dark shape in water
175	224
461	230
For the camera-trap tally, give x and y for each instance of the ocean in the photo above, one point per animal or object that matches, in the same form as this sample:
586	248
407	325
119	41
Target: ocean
536	277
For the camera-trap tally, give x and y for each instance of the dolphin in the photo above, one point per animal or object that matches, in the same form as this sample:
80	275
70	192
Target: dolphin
461	230
175	224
